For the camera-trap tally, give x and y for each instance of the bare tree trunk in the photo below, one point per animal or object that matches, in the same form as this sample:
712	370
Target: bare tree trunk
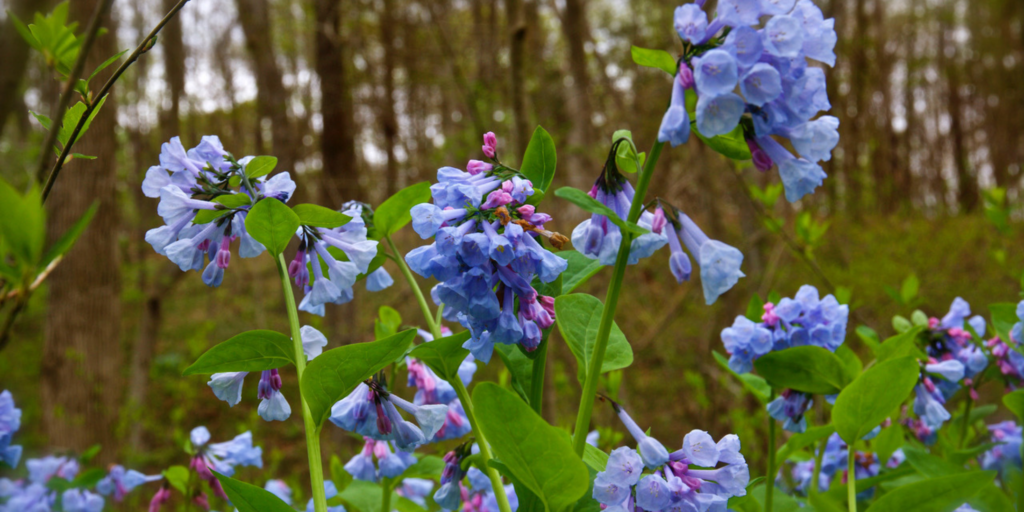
14	53
388	121
517	29
967	185
82	363
574	28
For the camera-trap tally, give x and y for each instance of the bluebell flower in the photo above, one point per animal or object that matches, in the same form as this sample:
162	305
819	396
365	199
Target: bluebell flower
652	452
799	176
415	490
336	258
718	115
598	238
929	405
715	73
789	408
120	481
78	500
675	125
1005	455
280	489
745	45
41	470
10	422
761	84
379	280
691	23
389	463
223	457
371	410
745	341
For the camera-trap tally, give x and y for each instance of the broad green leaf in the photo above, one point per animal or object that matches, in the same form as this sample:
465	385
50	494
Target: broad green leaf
1004	316
444	355
781	502
989	499
731	145
887	442
581	199
594	457
755	309
71	119
249	498
578	316
823	503
528	501
809	368
335	373
872	396
272	224
339	475
579	271
22	223
387	323
538	455
869	337
900	345
901	324
251	351
519	367
908	291
67	240
942	494
177	476
229	201
1015	403
659	59
394	213
852	364
428	466
754	383
260	166
320	217
804	439
42	118
540	159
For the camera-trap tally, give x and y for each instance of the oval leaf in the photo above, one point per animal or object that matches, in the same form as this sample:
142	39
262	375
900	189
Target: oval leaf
538	455
872	396
809	368
941	494
540	159
731	145
579	271
249	498
581	199
335	373
393	214
444	355
659	59
578	316
1015	403
251	351
320	217
272	224
260	166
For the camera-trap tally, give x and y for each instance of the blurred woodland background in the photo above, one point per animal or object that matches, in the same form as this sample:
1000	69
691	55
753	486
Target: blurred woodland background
358	98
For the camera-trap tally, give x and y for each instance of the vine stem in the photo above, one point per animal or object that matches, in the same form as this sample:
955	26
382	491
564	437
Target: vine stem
611	301
316	469
851	479
769	478
460	388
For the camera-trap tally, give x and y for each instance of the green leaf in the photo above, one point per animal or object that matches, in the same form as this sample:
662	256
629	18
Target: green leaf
251	351
272	224
822	503
754	383
581	199
869	337
387	323
578	317
538	455
941	494
887	442
394	213
260	166
659	59
540	159
105	64
42	118
802	440
903	344
320	217
901	324
872	396
909	288
22	223
594	457
519	367
249	498
177	476
428	466
1004	316
1015	403
579	271
341	478
444	355
335	373
67	240
755	309
809	368
229	201
929	465
852	364
731	145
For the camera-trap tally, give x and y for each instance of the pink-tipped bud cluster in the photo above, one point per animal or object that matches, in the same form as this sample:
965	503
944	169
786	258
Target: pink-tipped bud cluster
490	146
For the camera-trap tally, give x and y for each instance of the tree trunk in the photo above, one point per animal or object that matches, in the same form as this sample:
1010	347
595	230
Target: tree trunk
388	121
14	52
82	364
574	28
517	29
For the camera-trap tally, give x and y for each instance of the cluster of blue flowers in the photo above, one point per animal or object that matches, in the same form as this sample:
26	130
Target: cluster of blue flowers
779	92
220	457
390	463
206	177
1007	353
805	319
372	411
10	422
1005	455
834	463
486	253
432	390
227	386
677	481
281	490
479	495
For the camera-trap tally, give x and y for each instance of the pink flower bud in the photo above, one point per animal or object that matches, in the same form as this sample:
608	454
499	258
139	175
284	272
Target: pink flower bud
490	144
762	161
685	76
477	166
659	221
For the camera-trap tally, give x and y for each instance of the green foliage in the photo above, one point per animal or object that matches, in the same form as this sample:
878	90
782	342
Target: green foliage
272	223
22	224
731	145
394	213
903	344
177	476
579	271
540	160
52	36
1004	316
229	201
809	368
260	166
519	367
335	373
872	396
387	323
251	351
627	157
907	294
1015	403
658	59
578	317
537	455
804	439
444	355
320	217
888	441
809	230
581	199
941	494
753	383
249	498
755	309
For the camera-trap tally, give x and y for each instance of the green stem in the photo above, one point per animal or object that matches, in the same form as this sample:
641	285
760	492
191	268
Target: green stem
460	388
817	465
769	478
385	498
967	420
537	379
316	469
851	479
611	300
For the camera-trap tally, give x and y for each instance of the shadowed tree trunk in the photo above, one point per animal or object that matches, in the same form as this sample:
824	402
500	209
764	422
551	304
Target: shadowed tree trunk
82	363
388	121
517	29
14	52
574	28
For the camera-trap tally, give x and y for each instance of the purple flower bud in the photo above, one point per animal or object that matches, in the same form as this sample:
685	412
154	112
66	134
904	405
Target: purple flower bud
478	166
659	220
490	144
224	254
762	161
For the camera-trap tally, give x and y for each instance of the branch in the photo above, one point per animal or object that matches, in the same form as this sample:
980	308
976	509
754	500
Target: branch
57	116
143	47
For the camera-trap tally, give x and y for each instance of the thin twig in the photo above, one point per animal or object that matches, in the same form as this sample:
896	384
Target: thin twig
143	47
57	116
35	284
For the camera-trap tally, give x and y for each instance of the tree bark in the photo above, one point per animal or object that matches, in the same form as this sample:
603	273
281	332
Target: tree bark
14	52
388	120
517	31
82	363
574	28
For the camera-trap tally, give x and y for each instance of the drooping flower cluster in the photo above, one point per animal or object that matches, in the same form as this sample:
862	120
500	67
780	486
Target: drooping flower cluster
430	389
372	411
389	464
1005	455
10	422
719	263
415	490
805	319
220	457
206	178
329	261
281	490
479	495
1007	353
677	481
779	93
486	252
834	463
274	406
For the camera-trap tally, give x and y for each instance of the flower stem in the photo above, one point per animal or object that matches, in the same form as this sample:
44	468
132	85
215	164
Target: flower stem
460	388
385	497
817	465
316	469
537	378
851	479
966	421
611	300
769	477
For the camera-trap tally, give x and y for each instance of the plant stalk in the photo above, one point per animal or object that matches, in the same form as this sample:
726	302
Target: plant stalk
769	477
817	465
316	469
385	497
851	479
537	378
435	329
611	300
